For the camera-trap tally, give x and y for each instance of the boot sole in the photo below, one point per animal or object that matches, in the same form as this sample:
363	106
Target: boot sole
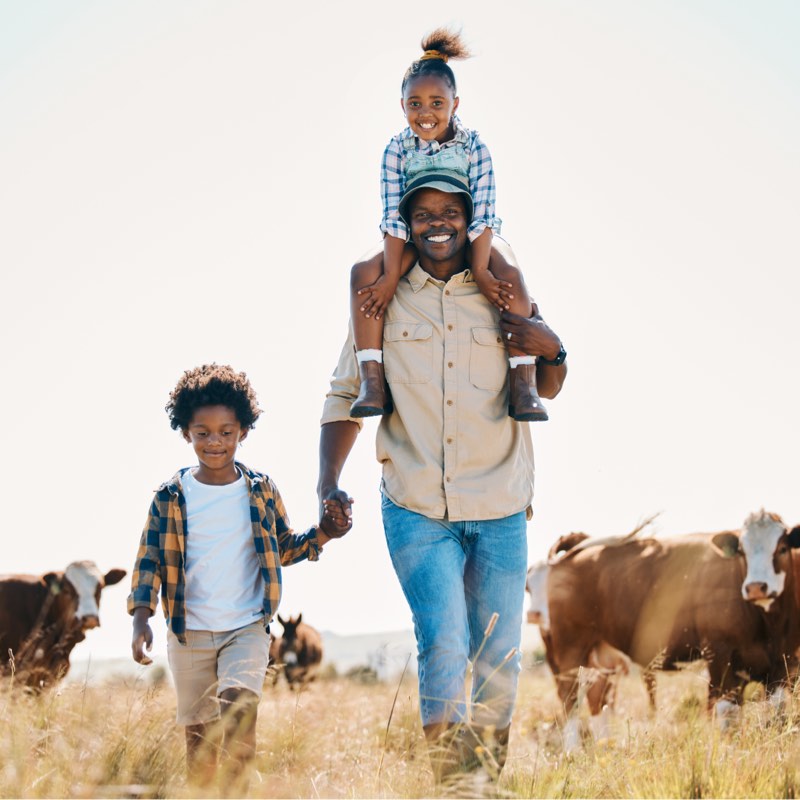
531	417
371	411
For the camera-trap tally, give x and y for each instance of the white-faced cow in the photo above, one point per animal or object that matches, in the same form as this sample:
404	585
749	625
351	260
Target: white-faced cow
42	617
663	602
299	651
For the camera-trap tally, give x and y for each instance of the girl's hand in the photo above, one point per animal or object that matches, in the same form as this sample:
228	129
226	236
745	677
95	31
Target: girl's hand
337	516
495	291
376	297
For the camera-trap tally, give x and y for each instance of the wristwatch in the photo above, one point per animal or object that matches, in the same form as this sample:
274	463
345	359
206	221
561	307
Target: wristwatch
557	361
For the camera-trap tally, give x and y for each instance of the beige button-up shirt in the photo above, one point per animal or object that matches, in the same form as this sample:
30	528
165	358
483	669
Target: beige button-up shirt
449	448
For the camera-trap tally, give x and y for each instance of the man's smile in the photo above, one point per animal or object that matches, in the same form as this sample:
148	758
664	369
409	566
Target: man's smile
438	238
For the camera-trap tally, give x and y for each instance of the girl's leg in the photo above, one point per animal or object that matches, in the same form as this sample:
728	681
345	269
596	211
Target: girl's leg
524	403
373	398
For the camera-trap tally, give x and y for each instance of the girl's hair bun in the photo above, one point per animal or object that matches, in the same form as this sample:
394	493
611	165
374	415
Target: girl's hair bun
447	42
439	47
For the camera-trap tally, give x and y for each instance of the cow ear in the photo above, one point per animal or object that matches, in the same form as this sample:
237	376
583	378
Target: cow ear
53	581
114	576
726	544
299	618
794	536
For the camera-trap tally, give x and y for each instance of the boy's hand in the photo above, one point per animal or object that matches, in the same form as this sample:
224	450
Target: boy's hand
337	514
142	636
376	297
495	291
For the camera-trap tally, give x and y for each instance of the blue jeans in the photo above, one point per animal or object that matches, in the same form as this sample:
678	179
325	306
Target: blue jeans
455	576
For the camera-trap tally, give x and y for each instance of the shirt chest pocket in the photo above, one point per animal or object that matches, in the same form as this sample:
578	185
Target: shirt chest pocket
488	364
408	352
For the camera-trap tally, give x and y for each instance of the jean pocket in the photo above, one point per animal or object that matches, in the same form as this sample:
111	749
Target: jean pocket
408	352
488	363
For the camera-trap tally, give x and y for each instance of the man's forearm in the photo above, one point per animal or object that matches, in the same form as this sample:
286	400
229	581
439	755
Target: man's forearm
550	379
336	440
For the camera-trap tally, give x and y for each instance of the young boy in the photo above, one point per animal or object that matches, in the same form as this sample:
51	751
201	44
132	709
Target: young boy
214	543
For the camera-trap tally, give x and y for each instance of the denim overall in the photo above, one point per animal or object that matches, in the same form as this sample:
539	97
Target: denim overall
453	158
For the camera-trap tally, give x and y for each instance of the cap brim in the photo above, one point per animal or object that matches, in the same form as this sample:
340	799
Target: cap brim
440	185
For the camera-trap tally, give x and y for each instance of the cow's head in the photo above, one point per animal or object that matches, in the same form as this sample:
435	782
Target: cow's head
766	545
289	640
76	593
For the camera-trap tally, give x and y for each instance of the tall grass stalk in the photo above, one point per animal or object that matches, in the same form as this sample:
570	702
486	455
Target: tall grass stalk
333	740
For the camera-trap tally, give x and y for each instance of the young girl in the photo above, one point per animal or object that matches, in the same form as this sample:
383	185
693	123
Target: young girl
435	139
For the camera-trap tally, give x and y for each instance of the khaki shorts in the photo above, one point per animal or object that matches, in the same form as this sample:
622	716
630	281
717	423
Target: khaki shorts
209	663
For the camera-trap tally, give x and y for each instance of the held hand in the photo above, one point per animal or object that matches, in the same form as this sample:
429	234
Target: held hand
495	291
533	336
337	514
142	636
376	297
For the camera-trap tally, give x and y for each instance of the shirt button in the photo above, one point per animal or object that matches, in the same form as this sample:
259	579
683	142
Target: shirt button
499	340
450	327
405	333
447	291
448	480
450	364
449	402
449	440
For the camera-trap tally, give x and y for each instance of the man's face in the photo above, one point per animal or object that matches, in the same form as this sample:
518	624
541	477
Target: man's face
438	224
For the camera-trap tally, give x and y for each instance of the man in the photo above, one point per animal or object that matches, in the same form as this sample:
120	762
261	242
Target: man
457	475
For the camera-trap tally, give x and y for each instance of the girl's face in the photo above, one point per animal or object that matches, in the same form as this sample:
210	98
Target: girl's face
429	104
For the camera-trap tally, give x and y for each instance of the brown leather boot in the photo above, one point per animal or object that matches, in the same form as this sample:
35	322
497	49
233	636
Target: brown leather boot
524	403
493	749
443	749
373	399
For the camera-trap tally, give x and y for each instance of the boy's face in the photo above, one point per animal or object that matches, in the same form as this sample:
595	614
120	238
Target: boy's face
214	432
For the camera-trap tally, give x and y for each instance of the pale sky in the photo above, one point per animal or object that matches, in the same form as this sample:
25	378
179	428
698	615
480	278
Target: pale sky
187	182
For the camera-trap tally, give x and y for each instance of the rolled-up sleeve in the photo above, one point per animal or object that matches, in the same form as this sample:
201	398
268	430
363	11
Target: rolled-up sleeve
293	547
345	383
483	190
392	188
146	578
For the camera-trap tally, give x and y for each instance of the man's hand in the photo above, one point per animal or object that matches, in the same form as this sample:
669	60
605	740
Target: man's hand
142	636
337	514
533	336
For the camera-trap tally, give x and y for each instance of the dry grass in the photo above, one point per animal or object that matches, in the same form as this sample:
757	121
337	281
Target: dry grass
120	740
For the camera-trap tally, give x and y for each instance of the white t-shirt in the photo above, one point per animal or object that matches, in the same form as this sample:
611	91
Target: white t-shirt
224	587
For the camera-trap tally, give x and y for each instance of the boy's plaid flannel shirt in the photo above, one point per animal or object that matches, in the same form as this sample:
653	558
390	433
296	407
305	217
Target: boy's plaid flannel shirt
160	561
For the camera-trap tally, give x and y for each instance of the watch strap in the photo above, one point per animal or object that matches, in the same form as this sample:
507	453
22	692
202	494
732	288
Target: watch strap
557	361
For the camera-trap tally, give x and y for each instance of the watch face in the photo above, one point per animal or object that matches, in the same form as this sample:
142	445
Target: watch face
558	360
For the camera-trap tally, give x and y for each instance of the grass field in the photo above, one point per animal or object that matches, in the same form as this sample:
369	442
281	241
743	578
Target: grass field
342	738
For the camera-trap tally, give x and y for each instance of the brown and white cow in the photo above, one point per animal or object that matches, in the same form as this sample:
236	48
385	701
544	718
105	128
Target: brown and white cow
663	602
605	663
299	650
43	617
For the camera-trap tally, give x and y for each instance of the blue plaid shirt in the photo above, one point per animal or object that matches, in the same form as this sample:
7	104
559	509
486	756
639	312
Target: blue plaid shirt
481	180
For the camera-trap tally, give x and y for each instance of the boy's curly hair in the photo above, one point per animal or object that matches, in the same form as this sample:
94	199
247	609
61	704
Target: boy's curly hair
212	385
